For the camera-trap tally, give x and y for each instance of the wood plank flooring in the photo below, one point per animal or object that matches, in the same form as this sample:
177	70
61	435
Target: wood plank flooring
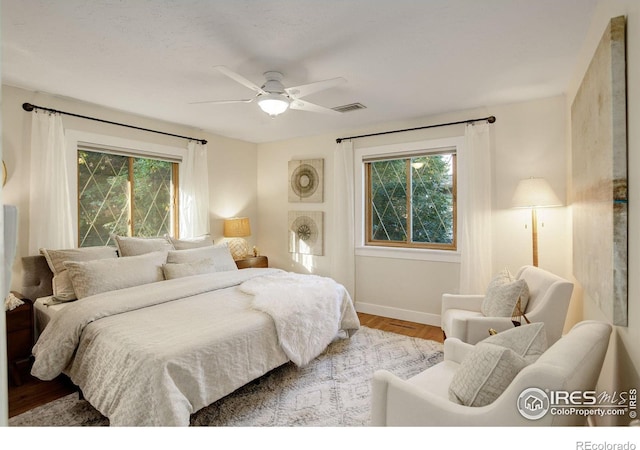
34	392
412	329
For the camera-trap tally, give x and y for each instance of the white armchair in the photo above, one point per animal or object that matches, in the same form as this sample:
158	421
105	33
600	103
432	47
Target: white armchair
549	297
573	363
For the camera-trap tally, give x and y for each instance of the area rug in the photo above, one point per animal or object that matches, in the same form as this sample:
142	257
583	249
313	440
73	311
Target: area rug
333	390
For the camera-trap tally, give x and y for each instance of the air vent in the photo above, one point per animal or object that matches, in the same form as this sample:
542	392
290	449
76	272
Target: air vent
349	108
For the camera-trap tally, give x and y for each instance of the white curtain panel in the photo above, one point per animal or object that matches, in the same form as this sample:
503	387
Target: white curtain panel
343	234
50	220
474	206
194	192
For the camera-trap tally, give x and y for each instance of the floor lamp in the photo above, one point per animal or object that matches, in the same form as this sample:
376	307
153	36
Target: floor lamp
534	193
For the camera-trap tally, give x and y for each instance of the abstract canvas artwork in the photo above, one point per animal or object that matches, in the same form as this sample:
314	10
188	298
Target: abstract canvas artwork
306	179
599	176
306	232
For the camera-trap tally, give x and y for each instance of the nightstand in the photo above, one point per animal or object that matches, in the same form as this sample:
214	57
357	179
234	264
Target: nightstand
253	262
20	336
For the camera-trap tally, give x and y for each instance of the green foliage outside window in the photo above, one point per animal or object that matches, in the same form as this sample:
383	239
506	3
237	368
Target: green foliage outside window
122	195
411	201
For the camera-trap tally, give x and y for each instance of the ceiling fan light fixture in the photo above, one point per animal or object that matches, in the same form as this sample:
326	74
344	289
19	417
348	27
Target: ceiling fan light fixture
273	104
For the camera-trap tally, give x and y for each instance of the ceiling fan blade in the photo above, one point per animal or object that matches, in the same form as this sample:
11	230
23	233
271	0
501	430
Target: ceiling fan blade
311	107
221	102
307	89
240	79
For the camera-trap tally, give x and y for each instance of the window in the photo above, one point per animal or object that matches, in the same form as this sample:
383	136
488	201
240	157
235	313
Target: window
411	201
125	195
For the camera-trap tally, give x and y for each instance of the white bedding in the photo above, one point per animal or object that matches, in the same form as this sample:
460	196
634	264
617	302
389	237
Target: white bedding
155	354
308	311
44	313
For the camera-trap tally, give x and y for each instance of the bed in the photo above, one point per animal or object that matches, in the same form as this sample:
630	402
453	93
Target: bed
157	351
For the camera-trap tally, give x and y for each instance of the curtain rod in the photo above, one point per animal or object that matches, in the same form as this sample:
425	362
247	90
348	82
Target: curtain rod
490	119
29	107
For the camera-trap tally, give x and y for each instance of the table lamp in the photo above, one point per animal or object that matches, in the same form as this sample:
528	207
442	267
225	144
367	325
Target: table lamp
236	228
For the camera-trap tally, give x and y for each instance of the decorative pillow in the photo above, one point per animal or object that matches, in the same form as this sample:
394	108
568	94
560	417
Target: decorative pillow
528	341
220	255
62	287
184	244
494	362
103	275
484	375
502	296
179	270
133	246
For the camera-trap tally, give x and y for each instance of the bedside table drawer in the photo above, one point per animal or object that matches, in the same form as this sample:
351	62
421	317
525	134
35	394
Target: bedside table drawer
19	318
253	262
19	344
20	337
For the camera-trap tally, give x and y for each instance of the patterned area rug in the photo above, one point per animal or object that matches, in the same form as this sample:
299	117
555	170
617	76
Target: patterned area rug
333	390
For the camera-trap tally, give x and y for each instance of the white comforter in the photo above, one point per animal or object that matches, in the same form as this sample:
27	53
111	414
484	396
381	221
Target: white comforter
155	354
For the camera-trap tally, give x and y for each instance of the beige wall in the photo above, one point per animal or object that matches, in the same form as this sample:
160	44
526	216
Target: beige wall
529	140
232	163
622	364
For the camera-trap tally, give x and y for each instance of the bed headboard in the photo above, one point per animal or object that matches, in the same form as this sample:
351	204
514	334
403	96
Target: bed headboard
36	277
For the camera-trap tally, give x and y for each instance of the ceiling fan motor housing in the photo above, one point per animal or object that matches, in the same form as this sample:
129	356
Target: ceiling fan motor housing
273	83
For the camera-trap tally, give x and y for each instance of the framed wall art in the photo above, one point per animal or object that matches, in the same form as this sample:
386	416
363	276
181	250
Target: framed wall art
306	180
306	232
599	176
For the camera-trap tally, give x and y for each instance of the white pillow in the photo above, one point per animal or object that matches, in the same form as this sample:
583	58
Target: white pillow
484	375
133	246
502	296
491	366
179	270
103	275
62	287
220	255
184	244
528	341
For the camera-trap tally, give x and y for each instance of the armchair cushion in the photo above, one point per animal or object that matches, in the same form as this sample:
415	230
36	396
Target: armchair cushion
503	294
493	364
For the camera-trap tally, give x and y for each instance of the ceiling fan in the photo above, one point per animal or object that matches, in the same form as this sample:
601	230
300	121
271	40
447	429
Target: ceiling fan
273	98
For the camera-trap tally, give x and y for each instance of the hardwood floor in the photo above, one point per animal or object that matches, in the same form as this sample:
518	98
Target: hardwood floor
412	329
34	392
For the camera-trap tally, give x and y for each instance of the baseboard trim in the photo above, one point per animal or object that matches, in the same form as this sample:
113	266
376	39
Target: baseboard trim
400	314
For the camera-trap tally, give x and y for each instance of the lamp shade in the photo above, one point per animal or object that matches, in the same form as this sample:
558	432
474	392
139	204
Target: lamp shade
273	104
534	193
237	227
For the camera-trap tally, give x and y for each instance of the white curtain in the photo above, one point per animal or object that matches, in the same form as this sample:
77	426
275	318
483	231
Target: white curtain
194	192
474	175
343	239
50	221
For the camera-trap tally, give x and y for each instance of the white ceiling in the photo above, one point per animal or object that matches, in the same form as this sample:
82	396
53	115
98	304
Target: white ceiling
403	59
